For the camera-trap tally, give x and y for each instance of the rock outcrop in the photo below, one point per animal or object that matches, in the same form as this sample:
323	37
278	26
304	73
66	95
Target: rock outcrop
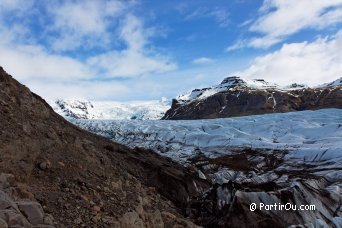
237	97
81	179
20	210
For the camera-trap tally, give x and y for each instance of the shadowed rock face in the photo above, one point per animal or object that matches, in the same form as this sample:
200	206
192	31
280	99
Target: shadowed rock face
84	179
240	100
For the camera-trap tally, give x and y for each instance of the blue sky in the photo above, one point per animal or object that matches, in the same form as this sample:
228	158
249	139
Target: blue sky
140	50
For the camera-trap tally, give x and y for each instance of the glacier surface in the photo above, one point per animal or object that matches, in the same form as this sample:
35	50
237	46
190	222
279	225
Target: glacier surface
307	135
278	158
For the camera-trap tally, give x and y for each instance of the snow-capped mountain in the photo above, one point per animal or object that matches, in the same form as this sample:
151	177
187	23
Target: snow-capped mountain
226	84
240	83
337	82
83	109
272	159
235	96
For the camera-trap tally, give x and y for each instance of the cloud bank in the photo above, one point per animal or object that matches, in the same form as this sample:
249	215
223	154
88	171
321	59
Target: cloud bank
279	19
311	63
118	42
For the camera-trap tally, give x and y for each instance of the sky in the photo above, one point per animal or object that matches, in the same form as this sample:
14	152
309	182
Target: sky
148	49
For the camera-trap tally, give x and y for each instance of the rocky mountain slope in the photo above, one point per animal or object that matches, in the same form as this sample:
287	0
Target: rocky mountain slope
80	179
138	110
238	97
275	159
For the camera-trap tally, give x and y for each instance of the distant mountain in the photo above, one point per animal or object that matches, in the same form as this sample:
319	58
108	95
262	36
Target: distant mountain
235	96
83	109
337	82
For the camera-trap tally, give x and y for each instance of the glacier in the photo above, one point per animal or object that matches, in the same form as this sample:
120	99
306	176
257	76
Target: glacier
308	135
291	157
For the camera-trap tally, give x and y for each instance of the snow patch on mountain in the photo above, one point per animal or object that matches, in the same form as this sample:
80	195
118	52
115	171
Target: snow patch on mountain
83	109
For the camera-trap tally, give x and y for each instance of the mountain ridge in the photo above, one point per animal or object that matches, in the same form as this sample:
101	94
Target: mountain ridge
239	82
238	97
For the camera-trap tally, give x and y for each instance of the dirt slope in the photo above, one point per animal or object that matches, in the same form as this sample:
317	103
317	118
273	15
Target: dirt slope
84	180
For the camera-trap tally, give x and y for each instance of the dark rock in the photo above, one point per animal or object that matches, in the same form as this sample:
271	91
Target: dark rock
33	211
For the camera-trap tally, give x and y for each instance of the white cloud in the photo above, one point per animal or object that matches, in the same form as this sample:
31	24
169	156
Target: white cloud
203	60
10	11
130	63
34	62
80	23
94	90
133	33
54	74
238	45
282	18
311	63
84	23
15	5
86	16
136	59
221	16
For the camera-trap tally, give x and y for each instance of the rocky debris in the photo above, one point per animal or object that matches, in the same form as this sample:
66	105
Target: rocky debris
153	219
237	97
20	212
262	179
81	179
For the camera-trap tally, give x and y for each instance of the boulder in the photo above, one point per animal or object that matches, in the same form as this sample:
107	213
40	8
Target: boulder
131	220
14	219
6	180
33	211
154	220
6	202
3	223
